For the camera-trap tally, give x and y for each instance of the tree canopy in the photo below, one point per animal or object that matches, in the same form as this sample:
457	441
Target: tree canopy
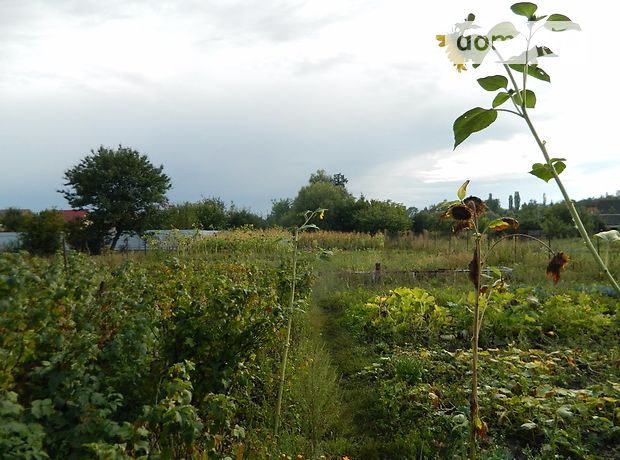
119	188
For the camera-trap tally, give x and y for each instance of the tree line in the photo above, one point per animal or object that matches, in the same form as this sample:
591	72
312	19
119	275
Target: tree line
122	191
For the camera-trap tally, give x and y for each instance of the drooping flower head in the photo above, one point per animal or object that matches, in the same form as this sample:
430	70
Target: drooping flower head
556	265
463	213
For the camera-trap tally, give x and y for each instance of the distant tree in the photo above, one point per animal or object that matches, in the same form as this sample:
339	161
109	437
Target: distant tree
212	214
530	217
517	201
320	176
339	203
282	214
42	232
376	216
243	217
429	220
339	180
510	203
493	204
183	216
558	223
120	189
14	220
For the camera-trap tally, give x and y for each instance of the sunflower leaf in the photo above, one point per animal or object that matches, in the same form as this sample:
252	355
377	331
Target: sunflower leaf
500	99
526	9
532	70
472	121
462	192
493	83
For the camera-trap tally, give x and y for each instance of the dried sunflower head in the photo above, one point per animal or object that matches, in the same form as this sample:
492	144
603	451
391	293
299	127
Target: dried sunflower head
459	212
477	206
461	215
462	225
556	264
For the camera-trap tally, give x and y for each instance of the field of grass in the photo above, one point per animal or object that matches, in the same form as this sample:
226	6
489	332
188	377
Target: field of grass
175	354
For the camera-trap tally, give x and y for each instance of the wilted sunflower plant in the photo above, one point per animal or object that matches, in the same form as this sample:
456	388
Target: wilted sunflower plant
465	214
467	45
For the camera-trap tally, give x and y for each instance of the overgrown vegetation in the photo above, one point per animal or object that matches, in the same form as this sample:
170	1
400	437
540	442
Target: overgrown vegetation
169	355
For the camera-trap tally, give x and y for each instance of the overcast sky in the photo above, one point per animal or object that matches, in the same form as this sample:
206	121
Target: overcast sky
243	100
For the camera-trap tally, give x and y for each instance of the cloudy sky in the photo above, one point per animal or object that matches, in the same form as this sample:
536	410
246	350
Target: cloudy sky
244	99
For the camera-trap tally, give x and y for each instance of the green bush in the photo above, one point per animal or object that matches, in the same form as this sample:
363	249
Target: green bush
43	232
163	358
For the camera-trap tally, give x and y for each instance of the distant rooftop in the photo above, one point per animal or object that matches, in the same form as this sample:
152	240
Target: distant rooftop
69	215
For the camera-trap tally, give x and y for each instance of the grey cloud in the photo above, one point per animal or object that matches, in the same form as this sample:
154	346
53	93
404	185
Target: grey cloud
311	67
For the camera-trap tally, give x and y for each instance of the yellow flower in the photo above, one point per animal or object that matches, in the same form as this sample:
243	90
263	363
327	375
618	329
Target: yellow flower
346	457
322	215
441	39
460	67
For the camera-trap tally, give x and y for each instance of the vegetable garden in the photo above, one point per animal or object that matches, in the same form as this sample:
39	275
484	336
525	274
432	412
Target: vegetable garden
178	355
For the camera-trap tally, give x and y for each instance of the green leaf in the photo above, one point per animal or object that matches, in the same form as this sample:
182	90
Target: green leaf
558	17
529	426
462	192
564	411
560	23
526	9
42	408
493	83
500	99
529	97
471	17
472	121
532	70
543	171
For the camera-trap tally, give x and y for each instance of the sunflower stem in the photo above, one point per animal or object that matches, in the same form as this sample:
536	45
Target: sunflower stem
473	403
287	342
571	207
567	200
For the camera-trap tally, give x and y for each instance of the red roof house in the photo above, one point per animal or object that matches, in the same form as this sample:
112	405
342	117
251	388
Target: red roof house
70	215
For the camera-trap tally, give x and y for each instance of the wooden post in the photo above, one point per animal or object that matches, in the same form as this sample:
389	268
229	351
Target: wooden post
515	249
376	277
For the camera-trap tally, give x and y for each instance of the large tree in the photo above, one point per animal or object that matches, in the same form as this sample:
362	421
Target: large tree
119	188
376	216
339	203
